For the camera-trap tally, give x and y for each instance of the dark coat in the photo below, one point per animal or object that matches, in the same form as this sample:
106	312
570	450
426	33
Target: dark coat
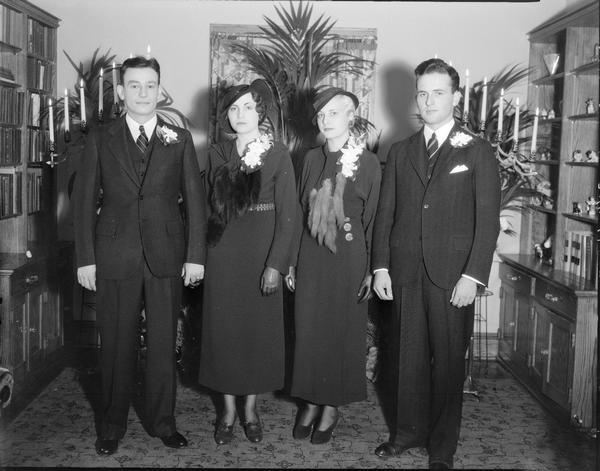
450	221
138	217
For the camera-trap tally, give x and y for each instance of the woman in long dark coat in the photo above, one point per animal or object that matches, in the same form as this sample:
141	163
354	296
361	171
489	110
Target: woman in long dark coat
339	189
252	194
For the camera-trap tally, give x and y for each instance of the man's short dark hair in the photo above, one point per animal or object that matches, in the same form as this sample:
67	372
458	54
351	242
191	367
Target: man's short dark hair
139	62
438	65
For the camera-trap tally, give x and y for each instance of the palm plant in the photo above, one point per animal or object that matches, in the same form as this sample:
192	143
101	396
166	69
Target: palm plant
294	64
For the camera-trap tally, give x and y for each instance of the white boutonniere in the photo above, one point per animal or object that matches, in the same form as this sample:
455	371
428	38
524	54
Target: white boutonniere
252	158
349	158
166	135
460	139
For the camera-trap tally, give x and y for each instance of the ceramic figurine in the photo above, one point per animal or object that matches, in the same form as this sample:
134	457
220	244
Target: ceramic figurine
577	156
592	156
591	205
590	108
544	114
576	207
551	114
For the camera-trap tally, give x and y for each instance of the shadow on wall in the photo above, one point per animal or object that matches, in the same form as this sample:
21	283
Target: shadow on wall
398	82
199	117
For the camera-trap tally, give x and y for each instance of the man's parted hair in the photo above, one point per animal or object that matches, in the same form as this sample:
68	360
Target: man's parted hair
438	65
139	62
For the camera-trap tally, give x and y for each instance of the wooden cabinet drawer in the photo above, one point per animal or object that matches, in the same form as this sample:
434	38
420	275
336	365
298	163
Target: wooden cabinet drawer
556	298
28	277
519	280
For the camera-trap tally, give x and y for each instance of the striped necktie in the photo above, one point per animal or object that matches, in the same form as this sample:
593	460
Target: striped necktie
432	145
142	140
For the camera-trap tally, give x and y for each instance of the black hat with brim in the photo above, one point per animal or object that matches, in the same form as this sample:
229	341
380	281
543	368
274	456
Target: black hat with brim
325	97
259	86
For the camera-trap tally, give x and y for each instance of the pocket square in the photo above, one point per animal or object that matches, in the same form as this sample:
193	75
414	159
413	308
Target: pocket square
459	168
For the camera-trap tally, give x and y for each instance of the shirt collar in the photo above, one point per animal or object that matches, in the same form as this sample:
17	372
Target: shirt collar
134	126
441	133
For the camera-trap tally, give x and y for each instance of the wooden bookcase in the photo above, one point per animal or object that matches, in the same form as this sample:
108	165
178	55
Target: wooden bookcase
548	311
33	264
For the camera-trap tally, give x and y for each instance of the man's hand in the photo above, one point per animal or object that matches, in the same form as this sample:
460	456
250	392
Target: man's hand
364	292
192	274
86	276
269	282
290	279
464	292
383	285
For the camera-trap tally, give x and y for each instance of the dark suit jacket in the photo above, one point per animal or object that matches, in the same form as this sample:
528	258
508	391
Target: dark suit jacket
451	222
139	217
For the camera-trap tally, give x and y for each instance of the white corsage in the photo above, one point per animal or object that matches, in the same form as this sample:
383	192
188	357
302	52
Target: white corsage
460	139
167	135
252	158
349	158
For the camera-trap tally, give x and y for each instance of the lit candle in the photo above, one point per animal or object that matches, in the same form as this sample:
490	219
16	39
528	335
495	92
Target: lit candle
51	121
501	111
82	100
484	102
535	131
131	55
435	56
101	91
466	104
148	52
516	128
66	118
115	83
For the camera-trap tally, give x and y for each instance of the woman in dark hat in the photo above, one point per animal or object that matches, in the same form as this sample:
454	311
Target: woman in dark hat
338	188
252	195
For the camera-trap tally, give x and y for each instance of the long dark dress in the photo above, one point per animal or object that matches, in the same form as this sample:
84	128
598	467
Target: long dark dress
329	360
242	350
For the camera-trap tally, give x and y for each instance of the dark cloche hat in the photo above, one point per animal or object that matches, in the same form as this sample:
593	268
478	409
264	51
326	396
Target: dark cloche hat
259	86
326	95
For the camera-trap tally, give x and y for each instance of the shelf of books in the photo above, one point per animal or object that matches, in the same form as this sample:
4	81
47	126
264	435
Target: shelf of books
27	80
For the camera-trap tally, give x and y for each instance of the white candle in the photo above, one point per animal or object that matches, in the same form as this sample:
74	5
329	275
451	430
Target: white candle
148	51
51	120
115	83
484	102
101	91
67	124
435	56
466	104
535	131
501	111
516	128
82	100
131	55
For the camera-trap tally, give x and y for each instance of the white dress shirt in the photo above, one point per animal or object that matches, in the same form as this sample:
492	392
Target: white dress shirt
134	126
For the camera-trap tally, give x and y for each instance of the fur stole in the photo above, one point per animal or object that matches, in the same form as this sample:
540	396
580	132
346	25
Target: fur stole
326	211
233	193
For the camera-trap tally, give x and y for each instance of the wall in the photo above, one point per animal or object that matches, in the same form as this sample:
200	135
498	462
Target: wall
483	37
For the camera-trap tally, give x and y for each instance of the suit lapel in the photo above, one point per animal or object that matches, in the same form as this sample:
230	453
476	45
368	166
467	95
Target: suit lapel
120	150
417	155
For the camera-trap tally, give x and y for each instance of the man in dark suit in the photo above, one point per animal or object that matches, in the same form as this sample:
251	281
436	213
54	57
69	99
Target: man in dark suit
136	248
435	233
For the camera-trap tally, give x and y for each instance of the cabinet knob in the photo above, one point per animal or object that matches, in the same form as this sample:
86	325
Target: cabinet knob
513	277
32	330
32	279
511	324
550	297
577	420
544	352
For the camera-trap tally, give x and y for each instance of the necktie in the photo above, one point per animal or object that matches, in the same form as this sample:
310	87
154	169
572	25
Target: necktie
432	148
142	140
432	145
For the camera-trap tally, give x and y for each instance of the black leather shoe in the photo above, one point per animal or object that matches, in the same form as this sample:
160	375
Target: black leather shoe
253	431
323	436
106	447
438	465
300	431
176	440
387	450
223	432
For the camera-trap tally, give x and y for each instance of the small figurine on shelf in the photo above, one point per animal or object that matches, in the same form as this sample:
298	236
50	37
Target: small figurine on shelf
592	156
577	156
590	108
591	204
576	208
545	154
544	114
551	114
596	56
548	203
544	250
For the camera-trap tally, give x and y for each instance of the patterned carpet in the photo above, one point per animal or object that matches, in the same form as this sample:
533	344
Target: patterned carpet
506	429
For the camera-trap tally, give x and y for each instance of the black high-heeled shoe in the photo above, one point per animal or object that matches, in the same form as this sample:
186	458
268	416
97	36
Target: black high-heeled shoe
224	432
300	431
323	436
253	430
